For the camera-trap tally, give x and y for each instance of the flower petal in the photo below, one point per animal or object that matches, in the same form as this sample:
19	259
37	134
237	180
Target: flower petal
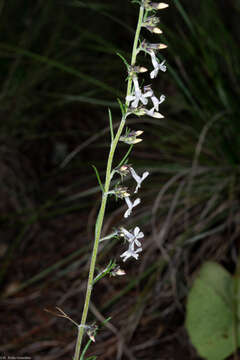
144	175
135	175
127	234
127	213
136	230
153	74
140	235
128	202
162	99
162	67
135	102
130	98
137	242
136	202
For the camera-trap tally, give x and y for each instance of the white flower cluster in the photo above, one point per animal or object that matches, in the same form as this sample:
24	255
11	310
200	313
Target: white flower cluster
132	238
137	104
142	96
123	193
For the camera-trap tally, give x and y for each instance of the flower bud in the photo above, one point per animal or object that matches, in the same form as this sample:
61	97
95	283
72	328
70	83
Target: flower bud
137	111
121	192
136	69
91	330
150	24
156	30
117	271
151	47
131	138
141	69
137	133
123	170
154	5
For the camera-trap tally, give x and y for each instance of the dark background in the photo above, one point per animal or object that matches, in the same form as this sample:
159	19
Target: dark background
59	74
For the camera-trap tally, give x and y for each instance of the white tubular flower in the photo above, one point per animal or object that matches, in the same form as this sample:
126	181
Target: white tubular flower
138	95
131	253
130	205
137	178
157	102
156	65
133	238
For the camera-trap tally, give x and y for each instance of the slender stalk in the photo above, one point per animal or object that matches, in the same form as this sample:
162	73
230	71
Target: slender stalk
101	213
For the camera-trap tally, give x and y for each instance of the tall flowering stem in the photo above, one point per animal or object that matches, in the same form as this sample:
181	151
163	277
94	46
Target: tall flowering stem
101	213
136	100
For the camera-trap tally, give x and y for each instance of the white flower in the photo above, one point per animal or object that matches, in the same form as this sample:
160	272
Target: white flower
137	178
130	205
133	238
138	95
156	65
157	102
131	253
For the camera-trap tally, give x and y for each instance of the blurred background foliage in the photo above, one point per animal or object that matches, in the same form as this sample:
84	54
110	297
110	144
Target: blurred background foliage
59	73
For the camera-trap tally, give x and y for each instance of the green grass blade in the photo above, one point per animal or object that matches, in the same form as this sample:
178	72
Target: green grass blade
60	66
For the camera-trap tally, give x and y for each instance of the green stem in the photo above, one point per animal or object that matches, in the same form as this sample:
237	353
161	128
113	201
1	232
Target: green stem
101	213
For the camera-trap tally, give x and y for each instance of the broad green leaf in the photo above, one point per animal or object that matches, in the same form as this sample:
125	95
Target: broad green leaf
210	313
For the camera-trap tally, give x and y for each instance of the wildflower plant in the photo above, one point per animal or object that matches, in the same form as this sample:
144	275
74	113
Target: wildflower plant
139	101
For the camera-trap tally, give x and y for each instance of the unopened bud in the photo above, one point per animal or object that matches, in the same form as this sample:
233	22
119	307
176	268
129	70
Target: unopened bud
136	69
154	5
156	30
121	192
92	337
118	271
142	69
150	24
157	46
138	111
137	133
159	6
157	115
152	47
123	170
91	331
131	138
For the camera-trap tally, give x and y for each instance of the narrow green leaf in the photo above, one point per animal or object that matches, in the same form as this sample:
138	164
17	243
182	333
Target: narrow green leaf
123	59
106	271
110	123
85	349
122	107
125	157
106	321
98	177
